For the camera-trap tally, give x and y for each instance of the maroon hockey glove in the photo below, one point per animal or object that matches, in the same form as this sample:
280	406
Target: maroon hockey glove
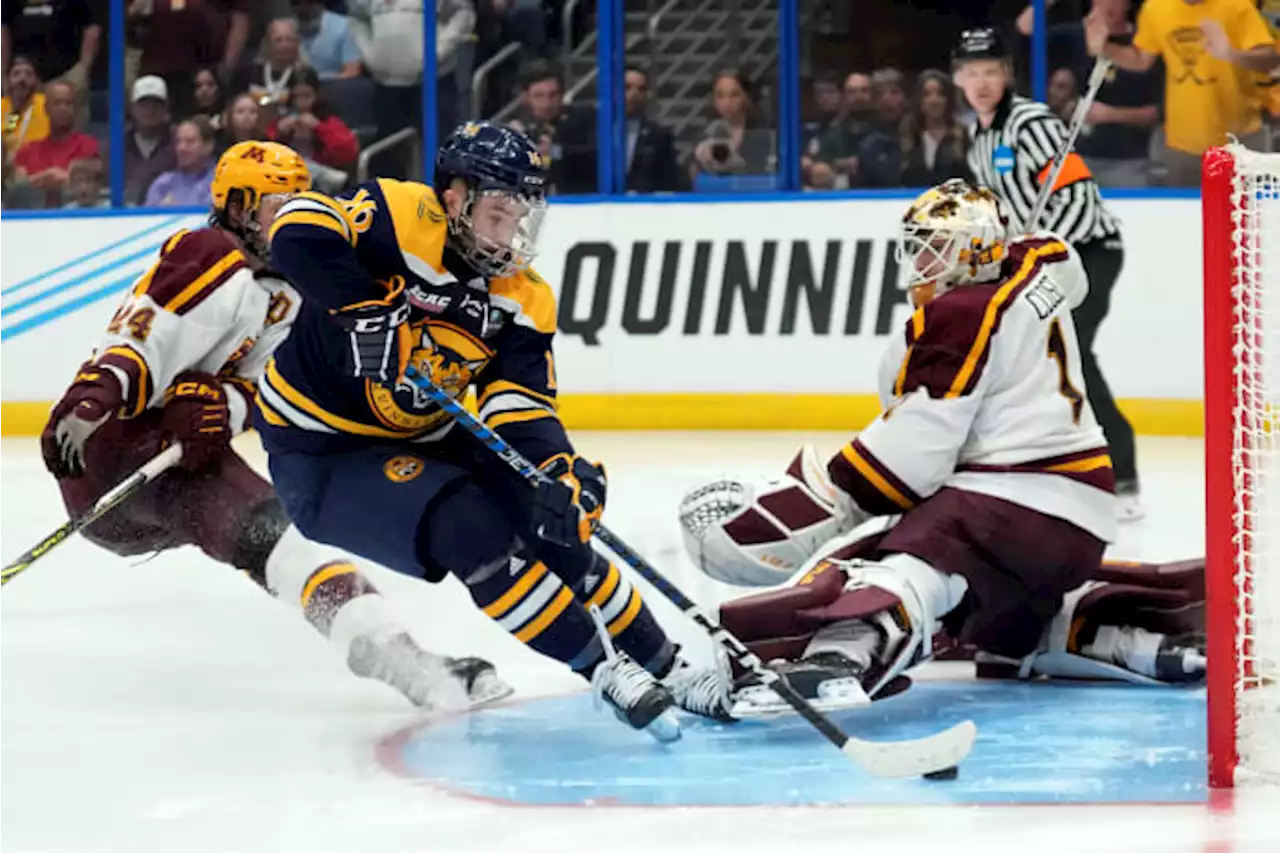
567	507
196	414
94	397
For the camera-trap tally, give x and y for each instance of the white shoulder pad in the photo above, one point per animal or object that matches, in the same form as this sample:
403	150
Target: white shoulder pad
1068	275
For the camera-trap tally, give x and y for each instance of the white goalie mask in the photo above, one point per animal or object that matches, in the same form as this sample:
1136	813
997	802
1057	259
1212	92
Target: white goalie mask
758	532
953	234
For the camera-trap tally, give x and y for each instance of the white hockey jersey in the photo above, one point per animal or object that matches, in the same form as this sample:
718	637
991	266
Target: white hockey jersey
984	392
199	307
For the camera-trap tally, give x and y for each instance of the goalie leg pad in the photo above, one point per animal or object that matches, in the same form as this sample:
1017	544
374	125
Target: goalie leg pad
1144	624
780	623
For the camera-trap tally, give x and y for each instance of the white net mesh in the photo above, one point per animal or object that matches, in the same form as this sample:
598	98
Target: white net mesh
1256	458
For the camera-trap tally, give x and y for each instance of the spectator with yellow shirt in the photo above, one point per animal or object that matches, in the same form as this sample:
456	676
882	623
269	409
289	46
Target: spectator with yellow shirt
1216	53
25	118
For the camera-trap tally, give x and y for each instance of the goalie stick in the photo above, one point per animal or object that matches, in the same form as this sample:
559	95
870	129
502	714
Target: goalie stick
933	755
161	462
1097	77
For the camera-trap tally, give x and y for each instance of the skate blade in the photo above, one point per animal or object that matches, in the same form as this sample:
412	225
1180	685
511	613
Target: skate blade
488	688
665	728
758	702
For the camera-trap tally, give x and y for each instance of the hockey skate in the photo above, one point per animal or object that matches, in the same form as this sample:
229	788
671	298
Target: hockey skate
1129	506
1172	660
828	680
705	692
636	697
427	680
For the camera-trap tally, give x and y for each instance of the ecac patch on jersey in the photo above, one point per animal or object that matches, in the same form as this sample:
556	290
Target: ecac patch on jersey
1002	160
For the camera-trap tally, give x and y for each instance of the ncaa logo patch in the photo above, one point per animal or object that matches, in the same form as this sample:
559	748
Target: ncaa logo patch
402	469
1002	160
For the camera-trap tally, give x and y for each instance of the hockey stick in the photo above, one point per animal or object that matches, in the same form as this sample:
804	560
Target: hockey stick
937	754
160	463
1096	78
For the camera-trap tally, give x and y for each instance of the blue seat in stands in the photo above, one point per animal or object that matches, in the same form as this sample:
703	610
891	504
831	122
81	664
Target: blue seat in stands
352	99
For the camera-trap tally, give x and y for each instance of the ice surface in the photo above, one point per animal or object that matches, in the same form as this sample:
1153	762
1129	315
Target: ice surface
168	705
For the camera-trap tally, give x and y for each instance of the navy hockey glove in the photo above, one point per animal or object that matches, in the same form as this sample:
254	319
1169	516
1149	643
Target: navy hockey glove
568	505
375	329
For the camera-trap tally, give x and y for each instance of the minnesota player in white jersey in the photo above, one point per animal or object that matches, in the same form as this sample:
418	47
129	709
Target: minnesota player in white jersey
990	467
179	362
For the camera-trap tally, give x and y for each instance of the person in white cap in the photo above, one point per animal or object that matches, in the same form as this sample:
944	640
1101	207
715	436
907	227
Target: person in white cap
148	144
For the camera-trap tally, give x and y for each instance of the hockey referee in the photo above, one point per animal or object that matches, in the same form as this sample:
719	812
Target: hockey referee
1014	143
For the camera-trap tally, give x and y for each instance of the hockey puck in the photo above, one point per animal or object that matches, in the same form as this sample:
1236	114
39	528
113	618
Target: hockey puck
944	775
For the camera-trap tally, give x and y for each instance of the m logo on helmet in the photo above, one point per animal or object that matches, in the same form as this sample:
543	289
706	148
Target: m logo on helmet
256	154
402	469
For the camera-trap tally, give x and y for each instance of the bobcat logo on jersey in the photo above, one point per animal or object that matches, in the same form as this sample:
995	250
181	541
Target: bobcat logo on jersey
402	469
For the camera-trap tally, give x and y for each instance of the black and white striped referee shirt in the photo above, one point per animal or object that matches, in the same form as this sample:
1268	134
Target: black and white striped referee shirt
1014	156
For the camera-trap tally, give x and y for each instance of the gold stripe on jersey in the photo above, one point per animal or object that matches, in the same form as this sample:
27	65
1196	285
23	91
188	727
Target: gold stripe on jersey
517	592
520	416
314	209
619	601
144	377
319	220
1030	263
548	615
276	382
1081	466
917	329
503	386
144	281
269	414
211	277
531	604
172	242
872	476
317	579
623	622
606	588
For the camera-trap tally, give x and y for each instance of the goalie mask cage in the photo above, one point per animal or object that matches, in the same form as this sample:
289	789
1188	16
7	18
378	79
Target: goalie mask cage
1241	220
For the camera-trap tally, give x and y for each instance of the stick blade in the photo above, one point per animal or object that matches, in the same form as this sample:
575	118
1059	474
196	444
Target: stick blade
908	758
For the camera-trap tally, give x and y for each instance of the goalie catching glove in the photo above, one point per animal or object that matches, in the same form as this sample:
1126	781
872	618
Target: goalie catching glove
375	329
196	414
568	504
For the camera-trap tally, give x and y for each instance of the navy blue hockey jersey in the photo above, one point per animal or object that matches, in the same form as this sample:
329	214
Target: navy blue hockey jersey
495	335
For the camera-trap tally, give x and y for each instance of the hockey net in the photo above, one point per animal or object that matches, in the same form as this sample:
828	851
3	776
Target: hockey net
1241	218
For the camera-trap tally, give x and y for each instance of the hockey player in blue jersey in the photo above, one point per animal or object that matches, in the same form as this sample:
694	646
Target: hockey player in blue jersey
397	274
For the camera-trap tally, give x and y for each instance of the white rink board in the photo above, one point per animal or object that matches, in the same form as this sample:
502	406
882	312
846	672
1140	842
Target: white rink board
680	298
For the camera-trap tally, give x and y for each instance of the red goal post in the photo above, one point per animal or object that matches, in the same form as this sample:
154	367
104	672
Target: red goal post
1241	222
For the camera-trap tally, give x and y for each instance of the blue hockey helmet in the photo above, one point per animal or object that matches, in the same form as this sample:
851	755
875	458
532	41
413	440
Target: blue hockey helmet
498	226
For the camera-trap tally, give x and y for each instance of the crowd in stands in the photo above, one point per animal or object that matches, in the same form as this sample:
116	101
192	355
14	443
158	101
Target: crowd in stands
330	78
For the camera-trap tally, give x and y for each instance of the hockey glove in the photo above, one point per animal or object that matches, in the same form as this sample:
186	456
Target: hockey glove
568	505
196	414
375	329
94	398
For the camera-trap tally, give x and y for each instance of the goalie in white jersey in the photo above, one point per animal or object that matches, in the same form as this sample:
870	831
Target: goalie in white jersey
179	361
987	464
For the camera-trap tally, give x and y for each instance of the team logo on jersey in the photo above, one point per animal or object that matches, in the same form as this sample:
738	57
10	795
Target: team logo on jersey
1002	160
402	469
